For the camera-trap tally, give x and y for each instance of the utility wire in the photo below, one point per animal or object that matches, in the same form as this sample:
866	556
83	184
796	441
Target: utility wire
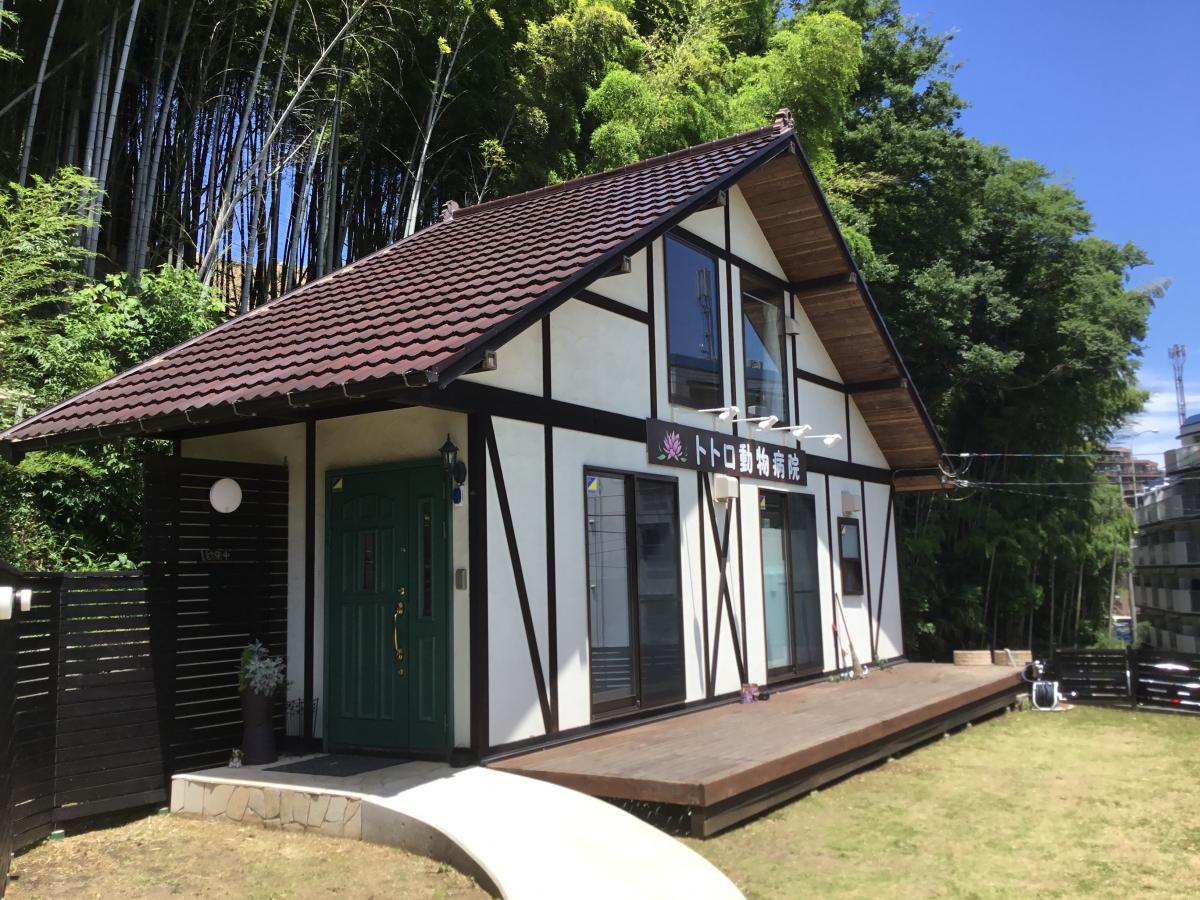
1024	455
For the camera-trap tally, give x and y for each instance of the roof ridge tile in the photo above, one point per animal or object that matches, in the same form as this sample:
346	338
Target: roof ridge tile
671	156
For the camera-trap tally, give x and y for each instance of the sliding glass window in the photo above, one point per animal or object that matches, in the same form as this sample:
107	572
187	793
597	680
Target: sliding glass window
635	608
693	327
764	348
791	587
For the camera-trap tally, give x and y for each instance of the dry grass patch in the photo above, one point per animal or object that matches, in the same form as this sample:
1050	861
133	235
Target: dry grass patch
167	857
1085	803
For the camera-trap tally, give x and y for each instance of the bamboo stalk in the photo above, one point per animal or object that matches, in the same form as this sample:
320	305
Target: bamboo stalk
27	144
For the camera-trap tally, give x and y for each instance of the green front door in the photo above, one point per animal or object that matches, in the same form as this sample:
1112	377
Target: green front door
388	659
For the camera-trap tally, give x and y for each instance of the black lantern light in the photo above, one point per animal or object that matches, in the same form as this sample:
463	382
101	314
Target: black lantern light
454	468
449	451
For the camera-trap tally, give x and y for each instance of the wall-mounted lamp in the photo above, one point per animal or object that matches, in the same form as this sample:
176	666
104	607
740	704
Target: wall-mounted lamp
763	423
225	495
455	468
6	603
827	439
724	413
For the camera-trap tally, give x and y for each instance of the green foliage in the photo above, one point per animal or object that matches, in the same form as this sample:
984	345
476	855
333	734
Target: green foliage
1017	324
60	334
692	86
557	62
9	18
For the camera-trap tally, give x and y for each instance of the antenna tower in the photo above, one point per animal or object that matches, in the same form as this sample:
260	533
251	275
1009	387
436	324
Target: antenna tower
1178	354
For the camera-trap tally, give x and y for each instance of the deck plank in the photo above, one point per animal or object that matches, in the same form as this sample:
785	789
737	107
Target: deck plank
707	757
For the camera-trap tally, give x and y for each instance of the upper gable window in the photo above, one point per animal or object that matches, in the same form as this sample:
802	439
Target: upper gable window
693	327
763	342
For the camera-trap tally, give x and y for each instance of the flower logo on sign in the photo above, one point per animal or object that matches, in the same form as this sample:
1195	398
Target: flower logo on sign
672	447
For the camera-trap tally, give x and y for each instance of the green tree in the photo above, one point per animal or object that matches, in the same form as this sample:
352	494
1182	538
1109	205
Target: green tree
59	334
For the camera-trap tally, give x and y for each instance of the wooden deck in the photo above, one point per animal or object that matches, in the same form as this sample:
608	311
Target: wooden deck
721	765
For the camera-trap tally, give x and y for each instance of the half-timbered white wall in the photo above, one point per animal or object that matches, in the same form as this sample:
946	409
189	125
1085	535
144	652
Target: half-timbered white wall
344	443
600	360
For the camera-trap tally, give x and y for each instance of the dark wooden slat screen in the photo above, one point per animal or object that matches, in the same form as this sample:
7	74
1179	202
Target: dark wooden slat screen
34	720
8	699
217	581
1146	676
108	753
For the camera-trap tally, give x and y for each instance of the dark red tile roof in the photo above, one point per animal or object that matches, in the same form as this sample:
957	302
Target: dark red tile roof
417	306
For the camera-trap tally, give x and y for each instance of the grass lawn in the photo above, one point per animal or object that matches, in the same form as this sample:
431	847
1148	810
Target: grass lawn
1084	803
166	857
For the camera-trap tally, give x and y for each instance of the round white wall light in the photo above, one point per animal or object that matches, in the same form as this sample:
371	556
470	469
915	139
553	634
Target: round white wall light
225	495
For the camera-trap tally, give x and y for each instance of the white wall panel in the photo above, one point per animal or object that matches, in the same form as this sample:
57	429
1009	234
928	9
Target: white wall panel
855	629
518	364
628	288
865	449
811	355
708	224
891	637
600	359
825	410
746	237
515	712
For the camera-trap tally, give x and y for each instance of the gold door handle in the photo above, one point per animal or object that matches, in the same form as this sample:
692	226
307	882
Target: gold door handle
396	632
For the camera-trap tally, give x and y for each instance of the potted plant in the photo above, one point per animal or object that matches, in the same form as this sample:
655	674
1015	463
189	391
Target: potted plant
259	678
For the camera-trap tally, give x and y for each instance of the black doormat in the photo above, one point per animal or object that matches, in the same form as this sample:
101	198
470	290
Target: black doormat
338	765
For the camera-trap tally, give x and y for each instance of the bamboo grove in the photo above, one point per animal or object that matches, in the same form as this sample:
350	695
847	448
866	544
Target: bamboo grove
237	148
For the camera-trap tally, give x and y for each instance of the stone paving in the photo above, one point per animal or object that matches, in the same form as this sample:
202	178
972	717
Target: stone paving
269	807
516	836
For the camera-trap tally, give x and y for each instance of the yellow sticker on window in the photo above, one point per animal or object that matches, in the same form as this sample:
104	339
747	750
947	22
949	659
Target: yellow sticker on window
338	485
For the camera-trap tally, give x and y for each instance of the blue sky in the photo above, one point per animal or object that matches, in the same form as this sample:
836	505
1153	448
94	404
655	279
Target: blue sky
1105	94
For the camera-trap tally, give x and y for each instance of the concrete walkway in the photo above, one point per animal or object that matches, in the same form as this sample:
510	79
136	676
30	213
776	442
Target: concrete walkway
520	838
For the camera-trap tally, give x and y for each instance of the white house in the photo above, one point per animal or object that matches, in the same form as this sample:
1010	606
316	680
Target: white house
680	423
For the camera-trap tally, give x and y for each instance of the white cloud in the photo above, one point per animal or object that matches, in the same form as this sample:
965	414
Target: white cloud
1158	413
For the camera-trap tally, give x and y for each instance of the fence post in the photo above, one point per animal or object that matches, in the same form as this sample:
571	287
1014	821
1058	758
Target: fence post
1131	674
8	698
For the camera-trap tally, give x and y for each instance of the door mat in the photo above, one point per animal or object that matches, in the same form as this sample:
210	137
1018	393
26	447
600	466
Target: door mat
339	765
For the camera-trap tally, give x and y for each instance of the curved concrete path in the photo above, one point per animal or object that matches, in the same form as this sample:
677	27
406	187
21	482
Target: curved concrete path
534	839
521	838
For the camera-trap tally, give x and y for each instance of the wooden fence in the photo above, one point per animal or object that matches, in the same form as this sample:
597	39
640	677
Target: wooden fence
8	700
113	681
1163	679
217	581
83	724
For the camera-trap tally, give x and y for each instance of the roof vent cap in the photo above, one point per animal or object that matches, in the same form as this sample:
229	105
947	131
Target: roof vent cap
449	208
784	120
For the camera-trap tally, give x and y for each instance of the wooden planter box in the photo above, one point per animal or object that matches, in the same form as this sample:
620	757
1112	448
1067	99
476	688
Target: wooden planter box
1021	657
972	657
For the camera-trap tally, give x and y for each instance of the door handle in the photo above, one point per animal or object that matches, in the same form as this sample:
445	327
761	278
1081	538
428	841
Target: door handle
396	632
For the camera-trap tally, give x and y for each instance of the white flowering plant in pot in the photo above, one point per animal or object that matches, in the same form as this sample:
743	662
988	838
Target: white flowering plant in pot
260	677
260	672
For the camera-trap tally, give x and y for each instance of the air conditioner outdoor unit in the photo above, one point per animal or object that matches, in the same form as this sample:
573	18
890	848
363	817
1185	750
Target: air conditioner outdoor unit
851	503
725	487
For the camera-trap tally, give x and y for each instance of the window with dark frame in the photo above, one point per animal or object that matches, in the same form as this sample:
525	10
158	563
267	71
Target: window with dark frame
850	555
791	584
763	347
694	371
635	602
